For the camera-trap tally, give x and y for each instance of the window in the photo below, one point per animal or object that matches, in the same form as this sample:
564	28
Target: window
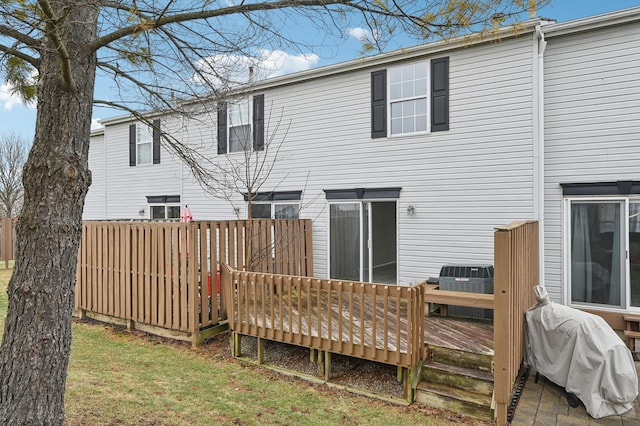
144	140
241	125
408	99
165	211
417	99
164	207
263	210
144	143
276	205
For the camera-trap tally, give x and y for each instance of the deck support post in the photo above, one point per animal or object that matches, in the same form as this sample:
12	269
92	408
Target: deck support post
400	374
320	363
236	344
327	366
260	350
313	354
408	378
130	324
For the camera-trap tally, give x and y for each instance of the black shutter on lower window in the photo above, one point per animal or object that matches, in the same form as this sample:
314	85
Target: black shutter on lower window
132	145
222	128
156	141
258	122
379	104
439	94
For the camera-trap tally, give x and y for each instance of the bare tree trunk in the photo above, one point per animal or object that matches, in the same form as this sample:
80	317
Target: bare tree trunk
37	337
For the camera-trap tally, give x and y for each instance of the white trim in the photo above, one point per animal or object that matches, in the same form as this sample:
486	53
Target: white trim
625	295
540	45
592	22
427	98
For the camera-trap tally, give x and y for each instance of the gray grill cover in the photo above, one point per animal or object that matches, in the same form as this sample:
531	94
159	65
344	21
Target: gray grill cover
580	352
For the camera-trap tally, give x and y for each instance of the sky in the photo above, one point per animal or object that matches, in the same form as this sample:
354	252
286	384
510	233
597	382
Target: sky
17	118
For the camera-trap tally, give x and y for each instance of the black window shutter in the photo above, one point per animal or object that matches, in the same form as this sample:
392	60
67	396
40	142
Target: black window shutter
379	104
156	141
132	145
440	94
222	128
258	122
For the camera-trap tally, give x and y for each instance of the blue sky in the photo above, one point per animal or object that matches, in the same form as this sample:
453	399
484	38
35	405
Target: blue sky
20	119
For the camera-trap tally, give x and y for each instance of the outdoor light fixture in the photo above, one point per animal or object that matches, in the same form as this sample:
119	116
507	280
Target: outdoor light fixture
411	210
141	212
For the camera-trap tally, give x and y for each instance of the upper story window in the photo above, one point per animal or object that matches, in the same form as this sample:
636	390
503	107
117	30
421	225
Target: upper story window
241	125
144	140
144	143
410	99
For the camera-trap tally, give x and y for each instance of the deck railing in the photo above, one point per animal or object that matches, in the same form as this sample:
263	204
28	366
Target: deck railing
377	322
163	277
516	258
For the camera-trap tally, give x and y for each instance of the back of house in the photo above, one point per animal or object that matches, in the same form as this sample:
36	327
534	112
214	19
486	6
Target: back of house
408	160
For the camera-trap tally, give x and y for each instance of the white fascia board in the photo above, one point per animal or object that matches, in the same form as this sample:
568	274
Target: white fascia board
592	22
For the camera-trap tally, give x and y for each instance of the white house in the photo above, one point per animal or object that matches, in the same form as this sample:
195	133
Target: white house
406	161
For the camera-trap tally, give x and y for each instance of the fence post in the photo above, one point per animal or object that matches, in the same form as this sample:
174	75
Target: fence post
195	287
502	263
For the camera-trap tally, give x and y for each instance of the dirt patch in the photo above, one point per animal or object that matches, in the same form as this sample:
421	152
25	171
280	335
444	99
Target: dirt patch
353	373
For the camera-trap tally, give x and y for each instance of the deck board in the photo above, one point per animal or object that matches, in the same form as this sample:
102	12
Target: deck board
460	334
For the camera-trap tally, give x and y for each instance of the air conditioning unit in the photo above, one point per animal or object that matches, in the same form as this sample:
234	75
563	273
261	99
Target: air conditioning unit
468	279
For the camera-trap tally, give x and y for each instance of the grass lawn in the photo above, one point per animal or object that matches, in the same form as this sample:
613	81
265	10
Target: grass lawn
117	377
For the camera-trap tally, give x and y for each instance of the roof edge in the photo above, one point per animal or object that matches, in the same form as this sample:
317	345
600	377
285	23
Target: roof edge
592	22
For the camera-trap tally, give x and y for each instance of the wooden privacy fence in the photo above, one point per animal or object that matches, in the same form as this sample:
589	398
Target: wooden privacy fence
516	262
377	322
7	240
163	277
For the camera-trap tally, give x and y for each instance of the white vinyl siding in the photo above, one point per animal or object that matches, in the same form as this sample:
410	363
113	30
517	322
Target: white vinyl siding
592	105
95	206
463	182
126	188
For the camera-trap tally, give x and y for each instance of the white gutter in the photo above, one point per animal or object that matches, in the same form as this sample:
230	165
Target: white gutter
538	148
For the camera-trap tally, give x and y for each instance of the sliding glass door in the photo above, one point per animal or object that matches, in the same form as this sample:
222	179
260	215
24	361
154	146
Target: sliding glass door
604	252
362	241
634	253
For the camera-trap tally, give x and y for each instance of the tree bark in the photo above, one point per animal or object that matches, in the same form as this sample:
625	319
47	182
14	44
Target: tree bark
37	337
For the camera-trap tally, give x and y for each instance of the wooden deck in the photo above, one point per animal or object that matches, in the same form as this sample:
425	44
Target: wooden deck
379	322
460	334
365	320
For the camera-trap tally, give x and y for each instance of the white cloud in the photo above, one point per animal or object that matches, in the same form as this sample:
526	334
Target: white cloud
360	34
95	125
265	64
7	99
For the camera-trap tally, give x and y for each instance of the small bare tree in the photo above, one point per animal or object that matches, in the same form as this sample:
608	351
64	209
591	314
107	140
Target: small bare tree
13	155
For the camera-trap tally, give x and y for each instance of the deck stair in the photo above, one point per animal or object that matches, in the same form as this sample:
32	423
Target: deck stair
458	377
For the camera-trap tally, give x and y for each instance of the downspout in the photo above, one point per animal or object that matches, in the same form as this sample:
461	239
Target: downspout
106	174
538	149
